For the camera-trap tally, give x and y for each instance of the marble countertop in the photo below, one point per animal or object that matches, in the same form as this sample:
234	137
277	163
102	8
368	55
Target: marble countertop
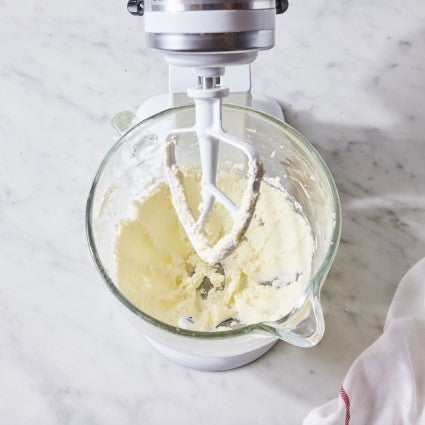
350	76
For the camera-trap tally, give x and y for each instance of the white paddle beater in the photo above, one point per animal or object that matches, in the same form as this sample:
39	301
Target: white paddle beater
210	133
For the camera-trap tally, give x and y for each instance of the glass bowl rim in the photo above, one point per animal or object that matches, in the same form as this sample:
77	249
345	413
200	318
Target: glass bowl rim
268	327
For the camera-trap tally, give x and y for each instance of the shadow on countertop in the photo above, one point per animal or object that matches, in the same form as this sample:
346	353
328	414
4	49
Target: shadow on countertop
380	175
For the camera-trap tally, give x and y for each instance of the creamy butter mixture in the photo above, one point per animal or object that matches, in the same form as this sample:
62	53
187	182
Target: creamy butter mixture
159	271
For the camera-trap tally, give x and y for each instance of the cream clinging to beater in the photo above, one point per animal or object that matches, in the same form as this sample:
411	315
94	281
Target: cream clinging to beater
208	36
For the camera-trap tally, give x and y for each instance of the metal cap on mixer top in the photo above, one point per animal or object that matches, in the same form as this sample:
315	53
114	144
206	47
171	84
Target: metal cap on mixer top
212	42
200	26
198	5
137	7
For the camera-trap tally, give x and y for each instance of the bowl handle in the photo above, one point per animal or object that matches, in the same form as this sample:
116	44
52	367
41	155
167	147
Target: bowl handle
122	122
305	327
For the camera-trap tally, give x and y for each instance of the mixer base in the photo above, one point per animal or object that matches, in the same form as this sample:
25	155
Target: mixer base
211	364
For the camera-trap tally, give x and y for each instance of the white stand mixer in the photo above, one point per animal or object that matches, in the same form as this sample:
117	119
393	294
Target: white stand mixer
218	39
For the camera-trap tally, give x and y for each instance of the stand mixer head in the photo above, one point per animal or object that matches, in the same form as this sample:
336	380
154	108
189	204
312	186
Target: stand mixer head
209	35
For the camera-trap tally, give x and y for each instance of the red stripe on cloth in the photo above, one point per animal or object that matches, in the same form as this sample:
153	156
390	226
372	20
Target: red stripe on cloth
346	400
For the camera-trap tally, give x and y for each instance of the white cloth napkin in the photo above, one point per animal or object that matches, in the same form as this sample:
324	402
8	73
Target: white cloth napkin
386	383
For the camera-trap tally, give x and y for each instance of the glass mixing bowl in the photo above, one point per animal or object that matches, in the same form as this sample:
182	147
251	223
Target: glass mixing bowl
137	158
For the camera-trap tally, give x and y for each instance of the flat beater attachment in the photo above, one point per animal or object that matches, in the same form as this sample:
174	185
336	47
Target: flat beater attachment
209	131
